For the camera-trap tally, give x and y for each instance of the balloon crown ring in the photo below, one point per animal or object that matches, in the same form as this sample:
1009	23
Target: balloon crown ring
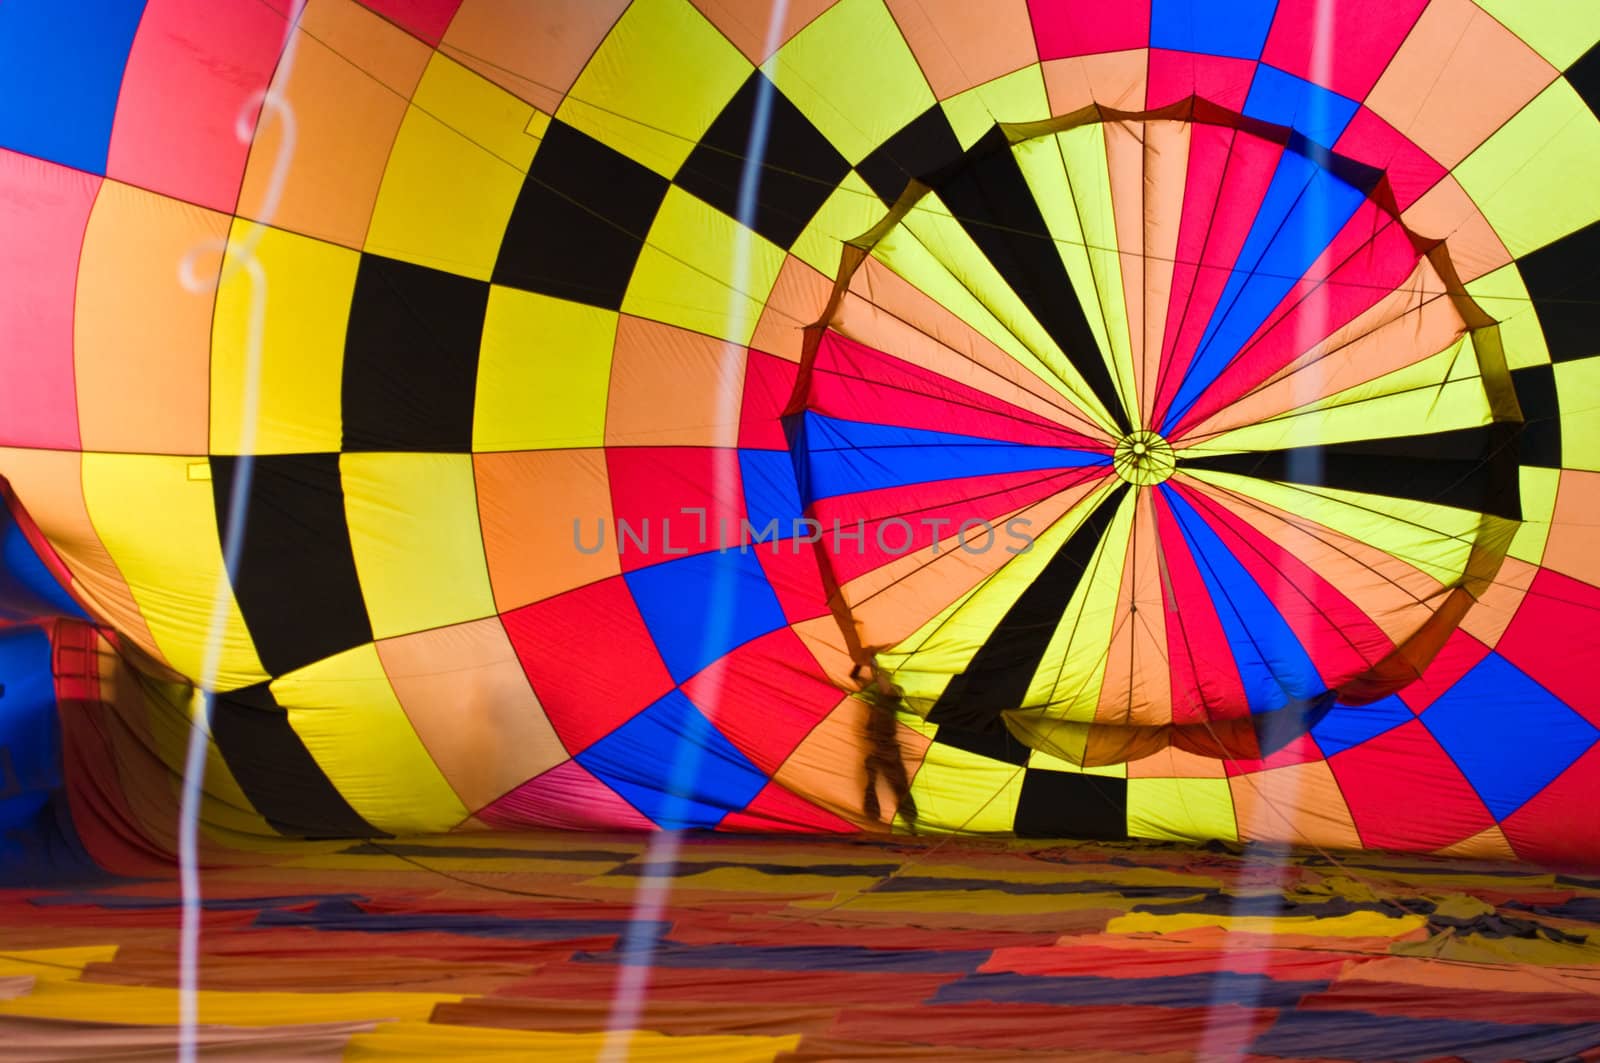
1143	458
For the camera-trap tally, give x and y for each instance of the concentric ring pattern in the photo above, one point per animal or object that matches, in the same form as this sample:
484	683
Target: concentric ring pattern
1180	413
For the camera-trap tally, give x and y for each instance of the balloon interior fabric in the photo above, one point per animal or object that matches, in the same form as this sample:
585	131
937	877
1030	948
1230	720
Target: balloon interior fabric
1168	420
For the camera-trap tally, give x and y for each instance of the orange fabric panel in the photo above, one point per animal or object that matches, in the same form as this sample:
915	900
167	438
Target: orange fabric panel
533	50
525	527
673	388
960	44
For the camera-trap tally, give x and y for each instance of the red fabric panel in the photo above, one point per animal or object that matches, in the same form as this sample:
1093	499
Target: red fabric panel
1565	665
652	486
1371	140
794	577
775	808
194	69
1405	792
1205	680
1228	175
590	659
595	981
427	19
768	383
1366	261
44	209
855	382
1558	825
566	797
1356	41
1459	655
1220	79
1434	1002
777	673
1064	29
952	501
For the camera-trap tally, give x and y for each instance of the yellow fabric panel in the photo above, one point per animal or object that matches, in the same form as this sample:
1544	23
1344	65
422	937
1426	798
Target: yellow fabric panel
1073	668
1063	170
962	280
1559	30
1181	809
1533	179
226	815
350	720
544	368
1538	507
1017	97
307	286
1505	298
685	275
960	791
1578	394
1426	405
853	75
1435	539
656	84
454	173
414	532
1354	925
160	526
923	663
51	964
1038	758
149	1006
425	1040
847	213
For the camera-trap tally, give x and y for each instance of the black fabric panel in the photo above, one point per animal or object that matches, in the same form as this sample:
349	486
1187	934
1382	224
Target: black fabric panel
920	149
296	582
276	771
1063	804
800	167
1001	671
1564	280
997	743
1471	468
580	220
1541	415
411	358
991	198
1584	75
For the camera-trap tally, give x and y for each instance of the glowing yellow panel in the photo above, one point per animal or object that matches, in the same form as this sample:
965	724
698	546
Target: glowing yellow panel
703	271
849	211
426	1040
1018	97
414	532
1538	507
1038	758
161	529
1505	298
853	75
1534	178
1577	386
543	372
158	1006
960	791
1559	30
656	84
454	173
1180	809
346	712
305	296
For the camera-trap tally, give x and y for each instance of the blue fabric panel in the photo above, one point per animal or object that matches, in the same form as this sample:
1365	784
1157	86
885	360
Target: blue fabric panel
1318	114
1361	1035
30	733
346	915
1350	725
770	490
27	589
61	67
670	763
1509	736
1236	28
844	457
1272	664
700	607
1303	210
1176	991
799	958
